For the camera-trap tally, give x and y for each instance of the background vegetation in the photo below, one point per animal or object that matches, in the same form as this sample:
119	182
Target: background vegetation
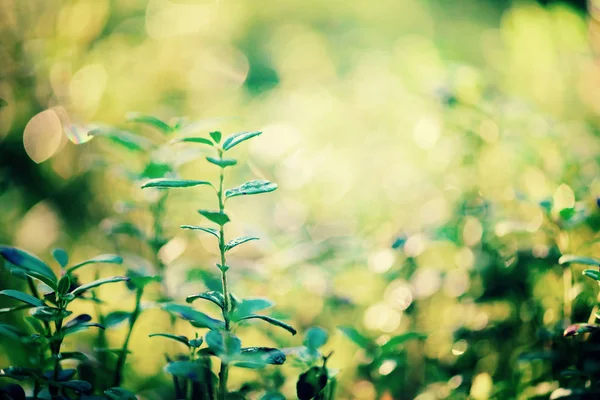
434	161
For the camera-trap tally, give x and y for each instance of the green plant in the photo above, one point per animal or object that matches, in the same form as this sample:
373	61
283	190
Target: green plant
49	311
220	340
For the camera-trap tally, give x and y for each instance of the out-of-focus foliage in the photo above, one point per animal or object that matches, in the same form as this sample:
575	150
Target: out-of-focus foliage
434	159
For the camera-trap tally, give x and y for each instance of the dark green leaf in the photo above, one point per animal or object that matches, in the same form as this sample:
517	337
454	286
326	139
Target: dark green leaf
129	140
212	231
311	382
116	318
186	369
117	393
592	273
573	259
352	334
81	327
78	386
199	140
18	373
64	284
315	338
13	309
577	329
237	241
237	138
223	343
396	341
248	307
217	217
101	259
251	187
63	375
80	319
222	162
155	170
196	342
23	297
196	318
29	264
273	396
97	283
139	281
178	338
3	103
149	120
73	355
216	136
272	321
49	314
166	183
61	257
214	296
258	357
11	332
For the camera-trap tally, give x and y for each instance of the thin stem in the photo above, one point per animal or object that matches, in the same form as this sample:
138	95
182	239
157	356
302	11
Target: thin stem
35	293
224	372
55	348
123	353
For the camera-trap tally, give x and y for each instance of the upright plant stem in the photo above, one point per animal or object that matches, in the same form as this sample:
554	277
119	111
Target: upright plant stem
223	373
55	349
123	353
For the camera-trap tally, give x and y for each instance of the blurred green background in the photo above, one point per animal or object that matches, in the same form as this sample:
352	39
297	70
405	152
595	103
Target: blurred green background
412	141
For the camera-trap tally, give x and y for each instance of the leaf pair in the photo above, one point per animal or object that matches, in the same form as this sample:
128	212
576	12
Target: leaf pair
229	142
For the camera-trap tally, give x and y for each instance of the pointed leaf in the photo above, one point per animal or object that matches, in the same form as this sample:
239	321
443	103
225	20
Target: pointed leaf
149	120
237	138
258	357
592	273
117	393
97	283
212	231
139	281
11	332
359	339
248	307
217	217
49	314
166	183
177	338
252	187
195	371
13	309
23	297
573	259
396	341
216	136
73	355
80	319
81	327
61	257
213	296
29	265
223	343
116	318
78	386
196	318
129	140
64	284
272	321
101	259
222	162
315	338
237	241
199	140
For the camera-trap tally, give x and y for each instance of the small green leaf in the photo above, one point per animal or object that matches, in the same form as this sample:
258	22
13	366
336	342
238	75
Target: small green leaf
116	318
165	183
101	259
97	283
117	393
61	257
216	136
49	314
195	343
64	284
258	357
223	343
592	273
352	334
28	264
149	120
80	319
213	296
78	386
221	162
217	217
311	383
177	338
80	327
396	341
139	281
315	338
196	318
23	297
573	259
199	140
252	187
129	140
272	321
212	231
186	369
237	241
248	307
237	138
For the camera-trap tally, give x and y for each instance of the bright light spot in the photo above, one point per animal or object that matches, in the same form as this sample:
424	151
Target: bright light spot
488	130
382	260
472	231
433	211
464	258
76	133
459	347
414	245
173	249
382	317
456	283
39	228
364	390
166	18
455	381
87	87
425	282
564	197
387	367
399	295
427	132
42	136
219	68
482	386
